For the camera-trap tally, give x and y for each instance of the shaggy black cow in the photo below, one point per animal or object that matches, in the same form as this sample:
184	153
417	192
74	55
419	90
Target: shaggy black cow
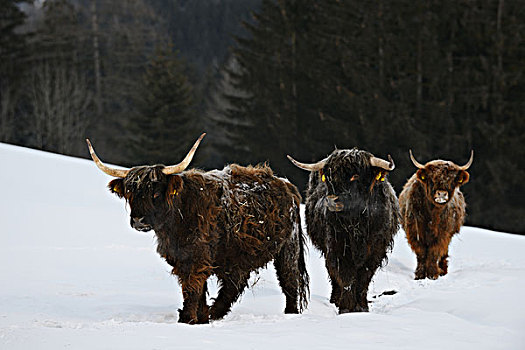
227	223
352	217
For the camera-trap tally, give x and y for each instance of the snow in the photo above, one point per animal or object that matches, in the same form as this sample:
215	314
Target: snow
75	275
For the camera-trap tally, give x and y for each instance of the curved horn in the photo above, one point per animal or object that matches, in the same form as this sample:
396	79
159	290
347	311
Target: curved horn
103	167
178	168
416	163
381	163
469	163
310	167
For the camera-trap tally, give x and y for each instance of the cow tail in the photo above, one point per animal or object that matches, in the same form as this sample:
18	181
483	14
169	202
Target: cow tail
304	278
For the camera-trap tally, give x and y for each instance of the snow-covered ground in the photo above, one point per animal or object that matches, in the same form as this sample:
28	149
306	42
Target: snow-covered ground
74	275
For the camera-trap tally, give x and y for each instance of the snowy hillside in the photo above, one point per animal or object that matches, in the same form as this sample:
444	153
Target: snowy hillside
74	275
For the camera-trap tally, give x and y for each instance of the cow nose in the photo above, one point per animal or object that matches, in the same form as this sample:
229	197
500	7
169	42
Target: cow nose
441	196
138	221
138	224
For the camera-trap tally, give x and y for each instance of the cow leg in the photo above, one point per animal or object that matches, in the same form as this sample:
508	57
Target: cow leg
416	233
443	265
348	300
421	269
193	292
432	268
288	274
202	310
364	277
344	282
336	293
443	257
437	263
232	286
332	267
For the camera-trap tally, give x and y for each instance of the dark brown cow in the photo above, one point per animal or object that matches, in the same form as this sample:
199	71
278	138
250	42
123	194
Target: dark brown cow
226	223
432	211
352	215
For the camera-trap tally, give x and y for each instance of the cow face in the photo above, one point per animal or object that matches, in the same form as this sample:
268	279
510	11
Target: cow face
347	178
149	190
440	180
149	193
350	171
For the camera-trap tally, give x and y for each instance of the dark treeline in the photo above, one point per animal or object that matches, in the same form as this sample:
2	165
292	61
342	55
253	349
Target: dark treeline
143	78
439	77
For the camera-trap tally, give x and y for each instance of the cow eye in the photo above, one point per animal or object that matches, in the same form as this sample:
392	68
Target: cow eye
355	177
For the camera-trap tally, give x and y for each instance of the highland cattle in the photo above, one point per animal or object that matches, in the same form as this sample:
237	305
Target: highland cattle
352	215
432	211
227	223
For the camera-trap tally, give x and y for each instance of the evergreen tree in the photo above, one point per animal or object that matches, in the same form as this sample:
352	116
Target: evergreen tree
266	108
164	126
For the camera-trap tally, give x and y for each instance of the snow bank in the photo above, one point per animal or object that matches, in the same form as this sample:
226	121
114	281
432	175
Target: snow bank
75	275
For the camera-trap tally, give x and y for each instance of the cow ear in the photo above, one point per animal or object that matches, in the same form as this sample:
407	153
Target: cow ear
462	177
117	186
421	175
174	185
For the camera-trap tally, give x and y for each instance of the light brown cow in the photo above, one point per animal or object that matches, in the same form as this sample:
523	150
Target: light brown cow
432	211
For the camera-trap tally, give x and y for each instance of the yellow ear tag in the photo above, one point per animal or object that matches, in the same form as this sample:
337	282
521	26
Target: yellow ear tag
382	178
378	176
422	177
174	193
323	178
460	180
115	189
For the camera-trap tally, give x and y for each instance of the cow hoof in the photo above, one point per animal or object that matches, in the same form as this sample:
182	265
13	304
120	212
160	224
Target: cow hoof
356	309
361	309
203	315
184	317
188	321
203	319
291	311
216	314
420	275
421	272
433	272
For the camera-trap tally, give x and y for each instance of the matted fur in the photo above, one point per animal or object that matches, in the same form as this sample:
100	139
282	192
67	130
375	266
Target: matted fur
226	223
430	226
355	240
